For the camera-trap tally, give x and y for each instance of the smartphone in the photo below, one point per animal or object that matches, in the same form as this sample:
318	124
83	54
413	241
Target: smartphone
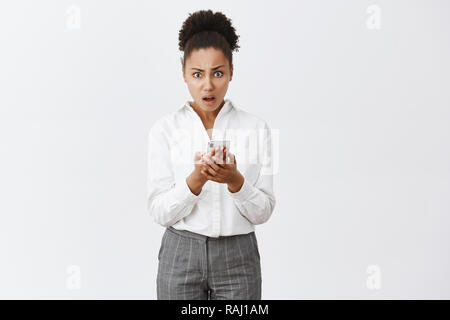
216	143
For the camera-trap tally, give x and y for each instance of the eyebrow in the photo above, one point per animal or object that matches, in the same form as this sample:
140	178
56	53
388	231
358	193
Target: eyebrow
211	68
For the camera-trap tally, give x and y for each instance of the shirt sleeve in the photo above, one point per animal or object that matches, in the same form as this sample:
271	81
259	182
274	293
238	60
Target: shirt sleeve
167	200
257	202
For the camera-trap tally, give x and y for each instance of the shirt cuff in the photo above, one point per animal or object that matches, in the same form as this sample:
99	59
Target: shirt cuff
243	194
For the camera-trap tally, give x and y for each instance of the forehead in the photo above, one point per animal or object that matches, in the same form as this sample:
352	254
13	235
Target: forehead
206	58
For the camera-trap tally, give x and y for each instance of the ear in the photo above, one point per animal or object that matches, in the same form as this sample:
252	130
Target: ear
182	69
231	73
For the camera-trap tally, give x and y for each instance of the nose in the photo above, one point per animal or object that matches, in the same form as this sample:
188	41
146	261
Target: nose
209	83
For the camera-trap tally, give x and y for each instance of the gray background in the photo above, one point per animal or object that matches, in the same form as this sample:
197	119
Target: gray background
363	117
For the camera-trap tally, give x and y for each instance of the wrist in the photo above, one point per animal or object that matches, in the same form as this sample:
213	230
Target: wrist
199	177
195	183
236	185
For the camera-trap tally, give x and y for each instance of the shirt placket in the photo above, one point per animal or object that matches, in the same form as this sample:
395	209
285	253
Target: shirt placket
215	187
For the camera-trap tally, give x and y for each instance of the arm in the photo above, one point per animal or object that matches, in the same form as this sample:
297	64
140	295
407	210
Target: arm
168	201
257	202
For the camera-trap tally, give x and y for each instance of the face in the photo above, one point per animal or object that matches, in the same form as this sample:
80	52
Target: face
207	74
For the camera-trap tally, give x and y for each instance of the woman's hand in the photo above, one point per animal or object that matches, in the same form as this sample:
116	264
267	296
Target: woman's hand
196	180
216	167
198	165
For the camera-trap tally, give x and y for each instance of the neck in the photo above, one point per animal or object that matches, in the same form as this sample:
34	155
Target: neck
207	115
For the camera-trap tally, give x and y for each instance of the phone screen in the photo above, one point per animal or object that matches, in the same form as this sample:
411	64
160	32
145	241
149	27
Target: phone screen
215	143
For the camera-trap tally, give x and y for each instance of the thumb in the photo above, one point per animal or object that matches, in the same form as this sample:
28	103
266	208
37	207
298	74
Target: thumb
197	157
232	158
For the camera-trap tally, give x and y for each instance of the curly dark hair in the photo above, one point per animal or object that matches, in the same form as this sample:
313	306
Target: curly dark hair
205	29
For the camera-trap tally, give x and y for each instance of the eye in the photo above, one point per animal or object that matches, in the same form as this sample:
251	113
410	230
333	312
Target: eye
221	74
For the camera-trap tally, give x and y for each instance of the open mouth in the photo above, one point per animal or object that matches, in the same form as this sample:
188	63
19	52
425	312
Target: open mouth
209	99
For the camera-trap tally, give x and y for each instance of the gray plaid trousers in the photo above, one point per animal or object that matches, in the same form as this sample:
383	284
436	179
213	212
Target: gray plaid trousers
196	267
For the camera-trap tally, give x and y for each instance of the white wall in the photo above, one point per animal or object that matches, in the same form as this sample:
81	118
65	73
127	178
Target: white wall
357	89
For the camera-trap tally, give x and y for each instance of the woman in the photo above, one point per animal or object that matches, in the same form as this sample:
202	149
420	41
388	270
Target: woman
209	202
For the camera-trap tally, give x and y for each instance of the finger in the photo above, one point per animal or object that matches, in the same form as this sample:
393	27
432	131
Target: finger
208	176
202	160
211	162
198	157
225	155
232	158
218	162
224	152
206	167
219	157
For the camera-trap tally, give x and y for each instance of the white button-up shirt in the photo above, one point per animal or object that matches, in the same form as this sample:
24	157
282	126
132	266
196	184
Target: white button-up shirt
172	143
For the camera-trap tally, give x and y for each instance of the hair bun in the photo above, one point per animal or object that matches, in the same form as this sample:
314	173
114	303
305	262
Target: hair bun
206	20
